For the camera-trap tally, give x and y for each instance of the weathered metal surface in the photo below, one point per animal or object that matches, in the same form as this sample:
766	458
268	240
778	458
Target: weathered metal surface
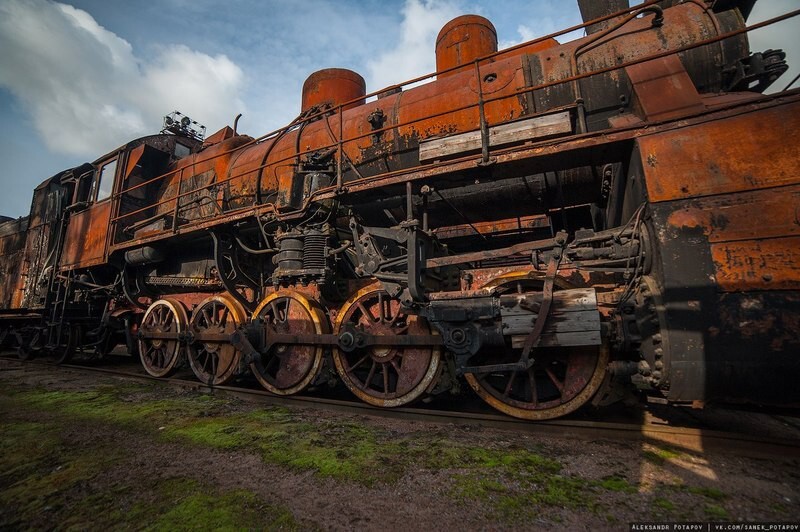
386	376
215	362
160	356
463	40
725	215
735	171
333	87
772	264
732	217
12	247
559	382
85	239
680	280
738	154
267	173
287	369
508	225
591	10
662	90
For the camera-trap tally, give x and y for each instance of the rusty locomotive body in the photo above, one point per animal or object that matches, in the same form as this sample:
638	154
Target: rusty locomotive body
552	223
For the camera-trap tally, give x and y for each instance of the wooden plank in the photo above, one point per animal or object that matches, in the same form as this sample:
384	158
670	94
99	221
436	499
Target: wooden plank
533	128
588	320
560	340
772	264
572	300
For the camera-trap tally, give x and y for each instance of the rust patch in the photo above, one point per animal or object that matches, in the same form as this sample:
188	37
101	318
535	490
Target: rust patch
772	264
736	154
689	218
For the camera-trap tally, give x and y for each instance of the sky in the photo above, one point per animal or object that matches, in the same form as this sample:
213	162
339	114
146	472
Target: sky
82	77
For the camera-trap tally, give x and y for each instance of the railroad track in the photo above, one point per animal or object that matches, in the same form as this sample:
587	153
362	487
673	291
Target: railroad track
648	429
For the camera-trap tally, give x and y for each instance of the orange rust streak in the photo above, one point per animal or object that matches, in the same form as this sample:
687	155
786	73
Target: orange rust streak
85	241
735	154
772	264
764	213
497	226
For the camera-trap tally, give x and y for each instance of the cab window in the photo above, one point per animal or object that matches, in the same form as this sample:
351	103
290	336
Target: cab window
181	151
106	180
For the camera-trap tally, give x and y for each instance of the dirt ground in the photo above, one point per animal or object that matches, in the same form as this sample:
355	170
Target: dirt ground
89	452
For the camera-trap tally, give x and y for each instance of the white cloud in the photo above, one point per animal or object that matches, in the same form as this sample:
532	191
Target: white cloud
414	54
88	92
544	26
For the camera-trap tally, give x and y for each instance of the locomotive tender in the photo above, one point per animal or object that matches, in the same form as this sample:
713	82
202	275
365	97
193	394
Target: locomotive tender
552	223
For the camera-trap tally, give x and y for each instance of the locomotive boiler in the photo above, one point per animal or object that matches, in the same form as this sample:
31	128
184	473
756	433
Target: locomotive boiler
551	224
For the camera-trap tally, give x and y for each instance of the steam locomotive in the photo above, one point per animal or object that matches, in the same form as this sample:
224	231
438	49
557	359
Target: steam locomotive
553	224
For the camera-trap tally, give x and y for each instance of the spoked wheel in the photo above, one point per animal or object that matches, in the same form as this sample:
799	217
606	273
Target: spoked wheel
160	356
561	380
386	376
212	357
30	347
71	338
289	368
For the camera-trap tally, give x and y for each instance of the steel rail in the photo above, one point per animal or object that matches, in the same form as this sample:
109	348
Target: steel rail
689	439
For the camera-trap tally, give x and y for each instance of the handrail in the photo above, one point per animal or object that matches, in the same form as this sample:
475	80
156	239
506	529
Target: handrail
417	80
340	141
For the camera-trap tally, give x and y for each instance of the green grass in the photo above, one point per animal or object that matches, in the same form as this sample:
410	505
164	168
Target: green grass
46	480
521	482
517	482
714	511
659	456
617	483
664	504
195	508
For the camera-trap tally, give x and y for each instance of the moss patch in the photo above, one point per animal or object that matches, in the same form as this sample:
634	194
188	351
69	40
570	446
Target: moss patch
714	511
664	504
45	479
660	455
39	468
521	482
195	507
36	468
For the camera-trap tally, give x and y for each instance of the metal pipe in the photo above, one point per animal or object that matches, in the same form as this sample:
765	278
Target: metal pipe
409	203
482	115
339	177
254	251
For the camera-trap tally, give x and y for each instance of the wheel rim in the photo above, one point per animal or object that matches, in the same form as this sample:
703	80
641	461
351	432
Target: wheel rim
289	369
215	362
160	357
561	379
379	375
71	336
